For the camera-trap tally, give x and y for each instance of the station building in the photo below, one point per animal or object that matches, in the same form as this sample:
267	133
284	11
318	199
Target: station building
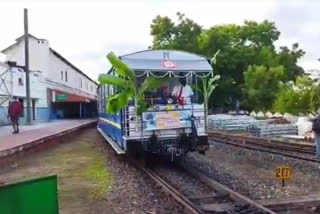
58	89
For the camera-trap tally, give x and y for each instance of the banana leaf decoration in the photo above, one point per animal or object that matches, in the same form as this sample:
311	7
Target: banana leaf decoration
126	82
208	86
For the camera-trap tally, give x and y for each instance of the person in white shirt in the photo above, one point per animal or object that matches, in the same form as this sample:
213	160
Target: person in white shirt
182	92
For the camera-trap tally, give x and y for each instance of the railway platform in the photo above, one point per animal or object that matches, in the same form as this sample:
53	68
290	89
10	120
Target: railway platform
31	135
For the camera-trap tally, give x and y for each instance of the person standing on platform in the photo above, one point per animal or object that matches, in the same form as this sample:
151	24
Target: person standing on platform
14	111
316	131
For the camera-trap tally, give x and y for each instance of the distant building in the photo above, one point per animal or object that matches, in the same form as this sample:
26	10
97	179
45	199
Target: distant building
58	89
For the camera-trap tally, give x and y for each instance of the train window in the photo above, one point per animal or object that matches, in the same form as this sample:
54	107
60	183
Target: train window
20	81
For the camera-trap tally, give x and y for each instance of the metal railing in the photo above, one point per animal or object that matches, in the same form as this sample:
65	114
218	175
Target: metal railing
133	127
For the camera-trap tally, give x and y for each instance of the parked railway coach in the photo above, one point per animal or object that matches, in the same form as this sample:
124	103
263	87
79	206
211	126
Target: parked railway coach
173	123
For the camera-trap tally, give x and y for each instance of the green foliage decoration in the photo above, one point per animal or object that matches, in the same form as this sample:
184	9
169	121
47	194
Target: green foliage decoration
126	82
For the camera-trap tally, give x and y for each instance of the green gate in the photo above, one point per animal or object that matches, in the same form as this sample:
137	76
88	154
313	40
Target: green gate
37	196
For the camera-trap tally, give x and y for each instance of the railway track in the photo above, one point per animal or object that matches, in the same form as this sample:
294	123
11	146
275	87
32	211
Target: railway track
169	189
293	150
232	202
216	199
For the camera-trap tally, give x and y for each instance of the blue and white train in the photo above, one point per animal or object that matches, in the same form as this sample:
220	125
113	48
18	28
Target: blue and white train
170	130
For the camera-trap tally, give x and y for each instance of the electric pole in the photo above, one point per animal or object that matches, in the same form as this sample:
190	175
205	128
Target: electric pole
26	43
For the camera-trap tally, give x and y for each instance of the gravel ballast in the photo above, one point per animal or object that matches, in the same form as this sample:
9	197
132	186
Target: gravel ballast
132	191
252	173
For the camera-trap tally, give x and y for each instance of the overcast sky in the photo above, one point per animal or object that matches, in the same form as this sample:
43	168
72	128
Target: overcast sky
85	31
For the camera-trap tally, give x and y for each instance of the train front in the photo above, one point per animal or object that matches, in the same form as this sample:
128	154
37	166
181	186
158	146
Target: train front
173	121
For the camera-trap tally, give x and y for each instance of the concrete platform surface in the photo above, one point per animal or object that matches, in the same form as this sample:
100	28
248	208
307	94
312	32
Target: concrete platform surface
37	133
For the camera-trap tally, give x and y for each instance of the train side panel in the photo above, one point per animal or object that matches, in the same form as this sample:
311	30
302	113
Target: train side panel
110	126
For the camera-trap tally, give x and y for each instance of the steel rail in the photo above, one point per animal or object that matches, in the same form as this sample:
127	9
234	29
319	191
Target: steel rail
170	190
174	193
186	202
253	146
297	147
225	190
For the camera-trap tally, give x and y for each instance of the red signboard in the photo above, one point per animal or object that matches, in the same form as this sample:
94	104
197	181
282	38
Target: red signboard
168	63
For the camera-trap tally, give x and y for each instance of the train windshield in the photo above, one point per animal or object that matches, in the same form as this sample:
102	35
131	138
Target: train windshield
172	90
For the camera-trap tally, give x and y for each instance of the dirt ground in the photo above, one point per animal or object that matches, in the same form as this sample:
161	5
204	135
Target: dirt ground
82	177
255	172
91	179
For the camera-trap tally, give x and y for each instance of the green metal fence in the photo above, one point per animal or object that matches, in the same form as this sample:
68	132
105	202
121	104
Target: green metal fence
37	196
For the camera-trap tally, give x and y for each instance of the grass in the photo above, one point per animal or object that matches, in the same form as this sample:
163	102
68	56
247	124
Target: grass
96	173
81	162
83	177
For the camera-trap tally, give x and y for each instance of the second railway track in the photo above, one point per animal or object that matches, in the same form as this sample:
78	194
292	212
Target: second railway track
293	150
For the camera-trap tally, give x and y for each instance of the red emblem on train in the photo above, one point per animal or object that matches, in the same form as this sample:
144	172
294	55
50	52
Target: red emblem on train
168	63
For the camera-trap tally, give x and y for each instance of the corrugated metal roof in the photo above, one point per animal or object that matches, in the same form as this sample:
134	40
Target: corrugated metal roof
155	60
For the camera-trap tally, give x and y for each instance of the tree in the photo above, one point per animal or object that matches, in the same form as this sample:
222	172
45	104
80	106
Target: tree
252	43
315	97
127	86
167	35
162	31
262	85
241	46
289	58
259	35
295	98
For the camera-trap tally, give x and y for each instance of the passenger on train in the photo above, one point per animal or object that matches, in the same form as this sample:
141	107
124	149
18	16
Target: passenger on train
164	95
182	92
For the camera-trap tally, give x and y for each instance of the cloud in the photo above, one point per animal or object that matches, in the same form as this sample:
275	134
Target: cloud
85	31
298	21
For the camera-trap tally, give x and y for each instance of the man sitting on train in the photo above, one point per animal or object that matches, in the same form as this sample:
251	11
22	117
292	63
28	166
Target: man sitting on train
162	94
182	92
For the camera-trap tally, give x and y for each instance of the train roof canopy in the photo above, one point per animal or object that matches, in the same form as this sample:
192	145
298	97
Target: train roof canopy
167	60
